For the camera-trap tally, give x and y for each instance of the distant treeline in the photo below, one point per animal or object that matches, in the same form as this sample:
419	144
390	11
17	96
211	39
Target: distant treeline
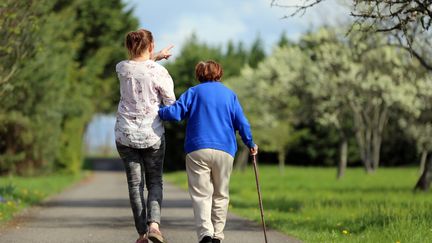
327	99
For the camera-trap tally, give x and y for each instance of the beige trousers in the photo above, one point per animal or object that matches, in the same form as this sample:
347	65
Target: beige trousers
209	173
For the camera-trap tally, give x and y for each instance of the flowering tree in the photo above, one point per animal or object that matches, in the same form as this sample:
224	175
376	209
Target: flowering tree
361	81
267	97
327	87
408	21
418	125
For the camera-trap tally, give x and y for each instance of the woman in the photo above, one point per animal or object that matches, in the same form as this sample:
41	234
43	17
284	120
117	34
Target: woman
144	86
214	114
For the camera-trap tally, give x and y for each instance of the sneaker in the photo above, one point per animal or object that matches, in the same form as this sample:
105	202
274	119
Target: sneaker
206	239
155	236
214	240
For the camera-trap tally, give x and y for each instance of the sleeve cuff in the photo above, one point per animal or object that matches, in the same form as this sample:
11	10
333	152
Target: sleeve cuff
251	144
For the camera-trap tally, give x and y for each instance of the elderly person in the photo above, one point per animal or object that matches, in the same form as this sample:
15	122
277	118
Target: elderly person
213	114
144	86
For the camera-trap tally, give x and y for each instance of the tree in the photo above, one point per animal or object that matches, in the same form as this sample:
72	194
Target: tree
32	100
234	58
422	133
408	21
53	81
267	100
357	83
283	40
18	24
417	124
257	53
328	90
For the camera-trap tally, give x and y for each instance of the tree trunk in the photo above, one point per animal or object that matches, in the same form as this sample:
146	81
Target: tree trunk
281	158
376	149
343	158
425	179
363	151
369	146
380	122
368	164
364	148
423	161
367	160
242	158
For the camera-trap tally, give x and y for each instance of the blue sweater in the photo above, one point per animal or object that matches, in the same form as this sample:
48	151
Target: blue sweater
214	114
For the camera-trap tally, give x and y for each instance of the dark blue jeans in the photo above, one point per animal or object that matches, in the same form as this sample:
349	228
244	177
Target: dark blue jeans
144	167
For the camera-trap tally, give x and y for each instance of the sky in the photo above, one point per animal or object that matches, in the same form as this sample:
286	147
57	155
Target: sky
217	22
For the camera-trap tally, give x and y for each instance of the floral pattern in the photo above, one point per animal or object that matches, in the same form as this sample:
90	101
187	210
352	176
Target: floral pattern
144	87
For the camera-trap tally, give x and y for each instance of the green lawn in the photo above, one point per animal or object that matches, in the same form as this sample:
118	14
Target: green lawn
17	193
310	204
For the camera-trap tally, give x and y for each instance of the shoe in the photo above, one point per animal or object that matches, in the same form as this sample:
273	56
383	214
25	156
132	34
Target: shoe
140	240
206	239
155	236
214	240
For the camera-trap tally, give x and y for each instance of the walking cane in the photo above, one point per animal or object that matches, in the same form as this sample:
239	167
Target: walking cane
254	162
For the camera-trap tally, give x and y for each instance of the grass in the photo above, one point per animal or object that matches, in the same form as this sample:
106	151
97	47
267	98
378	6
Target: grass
17	193
310	204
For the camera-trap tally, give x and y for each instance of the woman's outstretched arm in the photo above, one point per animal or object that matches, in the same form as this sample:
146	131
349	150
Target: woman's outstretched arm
179	110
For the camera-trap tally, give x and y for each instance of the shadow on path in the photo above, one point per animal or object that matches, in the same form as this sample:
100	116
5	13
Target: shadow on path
111	203
81	222
104	164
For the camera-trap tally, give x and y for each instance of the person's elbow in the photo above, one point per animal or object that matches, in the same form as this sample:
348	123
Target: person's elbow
165	115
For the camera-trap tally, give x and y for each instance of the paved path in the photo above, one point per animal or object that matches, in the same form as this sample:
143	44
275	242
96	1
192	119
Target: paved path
97	210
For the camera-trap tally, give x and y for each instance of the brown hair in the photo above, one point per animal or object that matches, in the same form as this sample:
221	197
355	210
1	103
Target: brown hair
208	71
137	42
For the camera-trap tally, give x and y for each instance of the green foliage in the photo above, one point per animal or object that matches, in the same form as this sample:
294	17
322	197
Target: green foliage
257	53
36	93
284	41
310	204
16	136
18	23
70	157
417	122
320	146
65	75
101	26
